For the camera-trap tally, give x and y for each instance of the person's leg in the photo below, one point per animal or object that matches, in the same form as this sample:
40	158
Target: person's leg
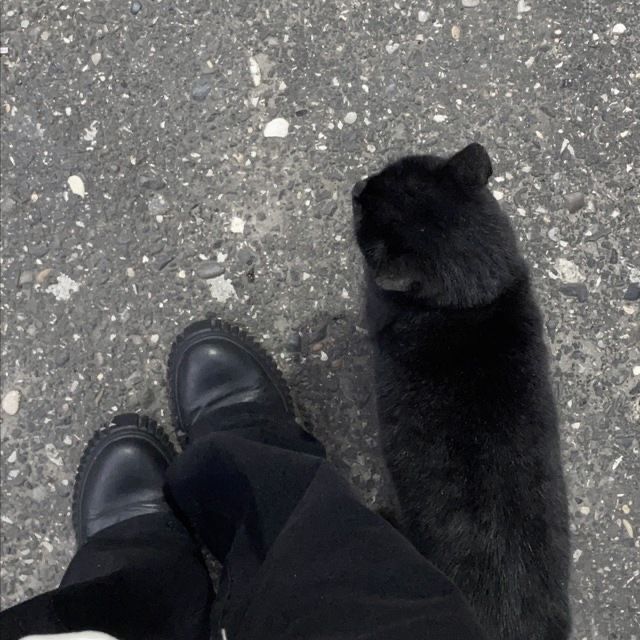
137	573
303	558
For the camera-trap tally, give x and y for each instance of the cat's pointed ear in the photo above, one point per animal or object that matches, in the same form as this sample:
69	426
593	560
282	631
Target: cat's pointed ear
471	168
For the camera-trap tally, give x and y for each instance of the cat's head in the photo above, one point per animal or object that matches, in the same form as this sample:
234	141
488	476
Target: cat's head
429	227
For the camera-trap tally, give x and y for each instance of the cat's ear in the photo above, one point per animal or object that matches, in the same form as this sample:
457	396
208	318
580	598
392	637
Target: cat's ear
471	168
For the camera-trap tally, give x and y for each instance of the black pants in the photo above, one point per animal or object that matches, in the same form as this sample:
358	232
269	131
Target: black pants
302	557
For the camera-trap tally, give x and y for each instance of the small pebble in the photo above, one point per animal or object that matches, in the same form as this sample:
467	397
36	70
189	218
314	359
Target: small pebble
523	7
574	201
633	291
277	128
76	185
39	250
456	32
245	256
25	277
200	90
254	70
575	290
470	4
11	402
237	225
618	29
351	117
423	16
95	58
135	8
43	276
439	118
61	358
208	270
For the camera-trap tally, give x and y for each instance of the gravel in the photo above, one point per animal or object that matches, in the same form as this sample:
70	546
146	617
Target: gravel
208	270
633	292
574	202
550	91
575	290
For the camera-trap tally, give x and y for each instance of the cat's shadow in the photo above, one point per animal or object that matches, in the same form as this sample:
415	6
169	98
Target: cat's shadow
332	384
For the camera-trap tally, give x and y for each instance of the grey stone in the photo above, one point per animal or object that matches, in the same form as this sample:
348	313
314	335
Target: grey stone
61	358
158	205
39	250
135	7
470	3
208	270
8	205
575	290
200	90
245	256
25	277
632	292
154	183
574	201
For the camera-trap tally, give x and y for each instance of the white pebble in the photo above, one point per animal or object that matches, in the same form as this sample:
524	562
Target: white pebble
423	16
237	225
498	195
277	128
11	402
63	287
351	117
221	289
76	185
618	29
254	70
636	370
523	7
392	47
439	118
469	4
95	58
568	271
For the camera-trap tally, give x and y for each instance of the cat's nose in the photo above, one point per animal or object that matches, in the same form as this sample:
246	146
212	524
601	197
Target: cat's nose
358	188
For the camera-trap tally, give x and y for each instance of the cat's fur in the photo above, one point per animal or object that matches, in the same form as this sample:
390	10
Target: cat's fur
467	416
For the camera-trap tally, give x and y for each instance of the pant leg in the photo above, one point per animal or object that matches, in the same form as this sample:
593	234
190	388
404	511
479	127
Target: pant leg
141	578
303	558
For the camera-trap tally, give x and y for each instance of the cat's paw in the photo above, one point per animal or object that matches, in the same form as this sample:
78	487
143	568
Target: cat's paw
428	227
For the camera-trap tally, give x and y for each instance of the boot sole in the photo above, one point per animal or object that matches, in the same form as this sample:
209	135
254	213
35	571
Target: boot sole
216	327
124	423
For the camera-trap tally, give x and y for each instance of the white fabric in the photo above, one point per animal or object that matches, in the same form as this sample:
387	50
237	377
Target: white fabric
80	635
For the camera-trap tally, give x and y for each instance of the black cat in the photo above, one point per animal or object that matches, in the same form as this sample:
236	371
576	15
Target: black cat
467	416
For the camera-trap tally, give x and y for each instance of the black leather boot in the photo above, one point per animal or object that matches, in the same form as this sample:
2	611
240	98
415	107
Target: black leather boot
121	475
217	374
